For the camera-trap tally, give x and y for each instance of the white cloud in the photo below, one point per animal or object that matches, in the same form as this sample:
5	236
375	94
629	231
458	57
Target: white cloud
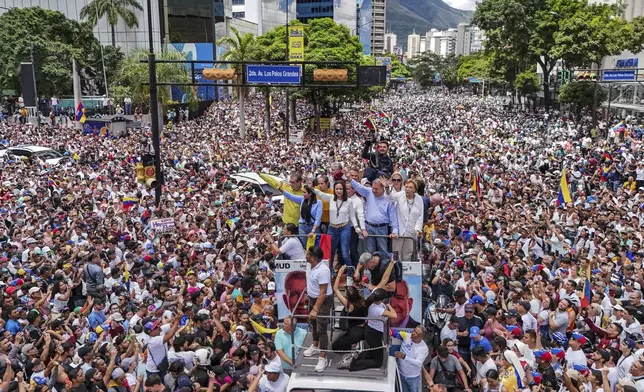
462	4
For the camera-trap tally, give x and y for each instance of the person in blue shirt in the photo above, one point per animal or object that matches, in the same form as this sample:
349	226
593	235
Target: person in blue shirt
476	340
283	342
310	212
12	324
380	213
97	317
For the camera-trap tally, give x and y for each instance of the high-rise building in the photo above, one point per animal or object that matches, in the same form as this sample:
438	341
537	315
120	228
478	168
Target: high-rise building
391	40
379	26
128	39
469	39
442	43
267	14
413	45
342	11
370	25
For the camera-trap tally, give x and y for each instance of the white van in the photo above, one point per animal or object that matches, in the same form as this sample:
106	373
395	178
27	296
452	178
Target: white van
305	379
347	382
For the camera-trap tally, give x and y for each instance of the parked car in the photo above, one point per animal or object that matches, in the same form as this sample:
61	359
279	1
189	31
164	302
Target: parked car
258	184
50	156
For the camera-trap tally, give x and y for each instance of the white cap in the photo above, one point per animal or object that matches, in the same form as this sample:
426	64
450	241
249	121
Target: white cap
273	367
34	290
271	286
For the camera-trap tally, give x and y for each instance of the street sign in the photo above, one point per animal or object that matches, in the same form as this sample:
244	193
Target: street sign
618	76
474	80
165	225
273	74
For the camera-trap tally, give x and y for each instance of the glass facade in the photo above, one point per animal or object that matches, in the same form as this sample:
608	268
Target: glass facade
344	12
190	20
274	13
364	26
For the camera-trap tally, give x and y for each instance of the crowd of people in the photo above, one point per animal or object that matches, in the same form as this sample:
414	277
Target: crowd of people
543	271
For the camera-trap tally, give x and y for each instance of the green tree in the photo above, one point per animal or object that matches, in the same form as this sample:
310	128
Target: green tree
546	31
325	40
51	40
113	10
273	48
240	48
426	67
476	65
528	84
133	73
580	95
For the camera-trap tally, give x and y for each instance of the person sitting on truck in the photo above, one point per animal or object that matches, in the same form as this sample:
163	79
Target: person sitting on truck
377	264
373	333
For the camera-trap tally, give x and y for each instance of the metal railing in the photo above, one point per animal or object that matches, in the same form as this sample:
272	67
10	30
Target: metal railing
386	338
415	242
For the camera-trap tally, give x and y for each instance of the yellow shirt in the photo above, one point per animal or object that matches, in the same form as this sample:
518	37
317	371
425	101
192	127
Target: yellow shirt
291	209
508	379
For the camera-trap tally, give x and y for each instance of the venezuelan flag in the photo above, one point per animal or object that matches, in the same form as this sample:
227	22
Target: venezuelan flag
323	241
585	300
607	157
129	202
369	124
382	114
621	127
268	333
395	122
80	113
476	186
564	190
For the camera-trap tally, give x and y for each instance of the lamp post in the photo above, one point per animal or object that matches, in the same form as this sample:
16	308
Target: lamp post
286	119
154	111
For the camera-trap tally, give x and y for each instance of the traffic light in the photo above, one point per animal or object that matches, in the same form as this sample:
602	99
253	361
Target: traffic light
150	174
140	172
146	171
330	75
219	74
585	76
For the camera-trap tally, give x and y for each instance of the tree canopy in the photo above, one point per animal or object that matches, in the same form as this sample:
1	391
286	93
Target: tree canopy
113	10
428	65
132	73
547	31
52	40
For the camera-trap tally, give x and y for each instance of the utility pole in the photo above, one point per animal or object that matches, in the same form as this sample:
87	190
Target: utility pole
154	112
286	120
214	42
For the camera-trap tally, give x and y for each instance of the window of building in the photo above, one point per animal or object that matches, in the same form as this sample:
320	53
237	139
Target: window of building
239	2
239	15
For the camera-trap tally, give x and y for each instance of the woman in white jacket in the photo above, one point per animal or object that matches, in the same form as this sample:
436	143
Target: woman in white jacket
409	207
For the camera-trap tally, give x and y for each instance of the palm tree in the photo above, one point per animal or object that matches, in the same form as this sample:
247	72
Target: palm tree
132	72
240	48
113	9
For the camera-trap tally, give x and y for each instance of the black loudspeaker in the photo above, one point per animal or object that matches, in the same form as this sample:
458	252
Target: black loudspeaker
28	84
373	76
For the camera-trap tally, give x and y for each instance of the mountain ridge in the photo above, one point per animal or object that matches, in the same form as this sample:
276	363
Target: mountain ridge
406	16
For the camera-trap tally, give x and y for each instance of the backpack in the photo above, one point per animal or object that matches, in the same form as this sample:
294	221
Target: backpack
397	271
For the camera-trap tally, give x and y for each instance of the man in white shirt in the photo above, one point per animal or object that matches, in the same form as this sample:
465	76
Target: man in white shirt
483	363
627	359
450	328
291	246
575	355
410	358
157	344
318	287
529	322
270	378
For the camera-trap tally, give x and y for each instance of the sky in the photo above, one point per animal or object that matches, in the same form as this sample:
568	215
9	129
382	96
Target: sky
462	4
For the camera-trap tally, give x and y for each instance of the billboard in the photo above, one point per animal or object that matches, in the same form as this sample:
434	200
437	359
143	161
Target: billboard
364	25
386	61
296	43
198	51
